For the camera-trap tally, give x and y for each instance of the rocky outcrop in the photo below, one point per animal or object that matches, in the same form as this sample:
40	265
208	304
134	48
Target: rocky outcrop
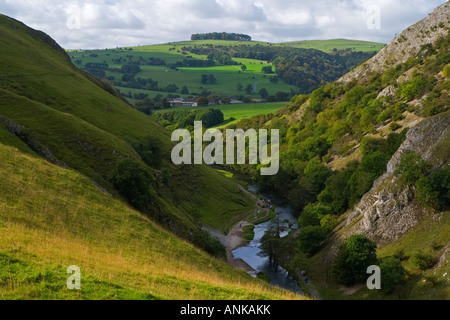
27	137
388	210
406	45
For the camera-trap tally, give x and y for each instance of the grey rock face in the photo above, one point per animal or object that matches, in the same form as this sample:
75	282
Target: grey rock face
406	45
388	210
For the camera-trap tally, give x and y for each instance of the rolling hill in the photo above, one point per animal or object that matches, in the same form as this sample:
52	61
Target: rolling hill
63	136
175	69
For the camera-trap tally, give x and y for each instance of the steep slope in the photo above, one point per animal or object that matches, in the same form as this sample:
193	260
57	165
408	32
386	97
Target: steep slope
368	155
52	218
68	117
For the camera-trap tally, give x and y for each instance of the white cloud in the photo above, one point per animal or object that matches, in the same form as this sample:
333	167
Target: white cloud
111	23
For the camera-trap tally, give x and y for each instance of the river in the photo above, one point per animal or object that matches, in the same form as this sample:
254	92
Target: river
250	252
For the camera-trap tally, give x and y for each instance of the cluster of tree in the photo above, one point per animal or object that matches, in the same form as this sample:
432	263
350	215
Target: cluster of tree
221	36
357	254
431	185
185	118
221	57
208	79
191	63
96	69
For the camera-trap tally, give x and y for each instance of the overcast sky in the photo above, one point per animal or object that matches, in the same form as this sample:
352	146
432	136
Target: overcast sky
89	24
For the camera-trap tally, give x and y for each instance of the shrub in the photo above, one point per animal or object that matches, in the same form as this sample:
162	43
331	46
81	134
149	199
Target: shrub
149	149
446	71
411	167
434	190
311	238
422	261
132	180
353	258
392	273
328	222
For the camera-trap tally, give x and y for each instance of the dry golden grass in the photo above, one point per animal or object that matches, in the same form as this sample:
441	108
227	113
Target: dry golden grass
51	218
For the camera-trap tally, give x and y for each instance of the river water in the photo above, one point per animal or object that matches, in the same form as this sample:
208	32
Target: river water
250	252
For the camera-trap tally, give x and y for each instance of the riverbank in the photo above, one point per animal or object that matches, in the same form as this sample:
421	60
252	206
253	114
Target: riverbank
234	239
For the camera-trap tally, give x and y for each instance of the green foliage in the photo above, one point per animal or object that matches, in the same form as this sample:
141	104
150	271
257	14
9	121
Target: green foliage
422	261
446	71
392	273
185	118
411	167
328	222
434	189
133	181
263	276
312	214
353	259
311	238
415	88
150	150
205	241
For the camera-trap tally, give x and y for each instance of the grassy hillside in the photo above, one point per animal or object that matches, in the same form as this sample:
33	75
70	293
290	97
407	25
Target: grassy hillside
339	44
183	63
51	218
236	111
67	116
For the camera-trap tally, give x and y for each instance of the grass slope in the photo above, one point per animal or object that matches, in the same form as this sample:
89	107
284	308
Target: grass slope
227	77
339	44
237	111
51	218
80	125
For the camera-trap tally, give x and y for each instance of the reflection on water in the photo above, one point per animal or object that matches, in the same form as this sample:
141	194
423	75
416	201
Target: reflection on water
250	253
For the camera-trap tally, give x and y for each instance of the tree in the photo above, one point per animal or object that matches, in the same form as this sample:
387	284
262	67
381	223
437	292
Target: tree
239	87
243	67
267	69
132	180
311	238
328	222
212	79
225	100
392	273
202	101
249	89
353	259
204	78
184	90
149	149
263	93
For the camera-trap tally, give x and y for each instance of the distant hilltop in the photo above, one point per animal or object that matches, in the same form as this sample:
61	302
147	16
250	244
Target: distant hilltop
221	36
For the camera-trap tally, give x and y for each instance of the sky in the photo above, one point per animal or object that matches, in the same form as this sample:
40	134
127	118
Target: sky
99	24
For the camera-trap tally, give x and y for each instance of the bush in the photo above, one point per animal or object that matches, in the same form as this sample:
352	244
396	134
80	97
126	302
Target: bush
353	259
132	180
212	245
149	149
434	190
312	214
392	273
328	222
422	261
446	71
311	238
411	167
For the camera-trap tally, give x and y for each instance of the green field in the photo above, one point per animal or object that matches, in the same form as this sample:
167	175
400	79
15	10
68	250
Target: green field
237	111
339	44
228	76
